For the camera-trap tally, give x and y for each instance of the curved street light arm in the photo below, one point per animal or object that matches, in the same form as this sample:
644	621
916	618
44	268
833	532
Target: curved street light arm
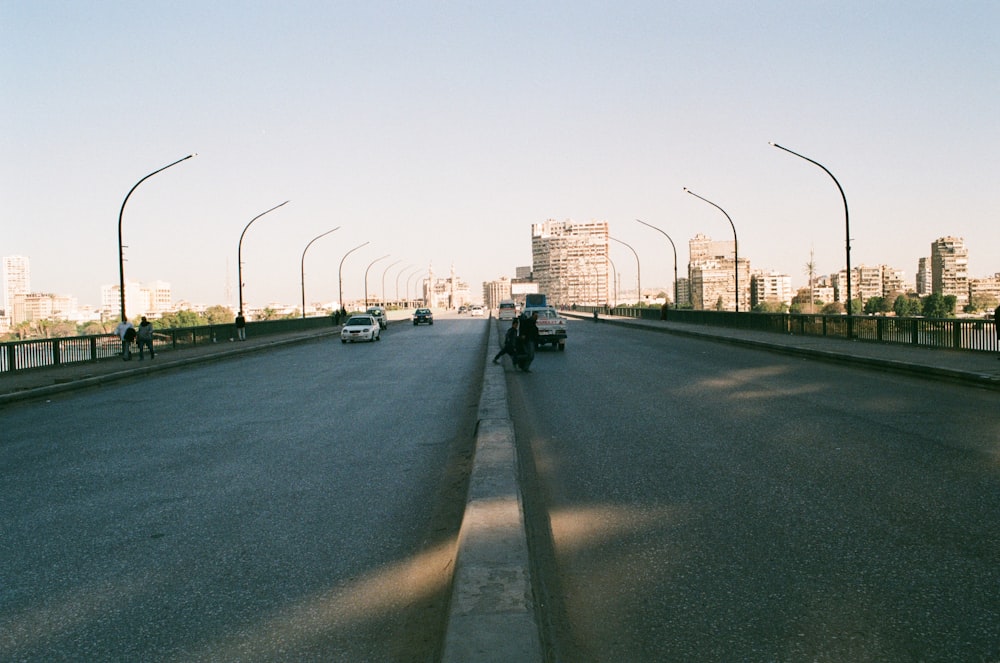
736	244
366	274
304	267
674	247
340	273
638	282
847	225
239	251
121	246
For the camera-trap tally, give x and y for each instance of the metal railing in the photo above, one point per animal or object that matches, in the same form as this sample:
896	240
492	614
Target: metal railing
47	352
973	334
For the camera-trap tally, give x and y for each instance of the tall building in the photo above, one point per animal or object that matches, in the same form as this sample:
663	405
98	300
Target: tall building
712	275
16	280
950	269
495	292
924	282
770	287
570	261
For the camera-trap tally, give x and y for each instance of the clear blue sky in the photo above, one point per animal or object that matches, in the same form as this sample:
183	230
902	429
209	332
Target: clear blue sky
440	131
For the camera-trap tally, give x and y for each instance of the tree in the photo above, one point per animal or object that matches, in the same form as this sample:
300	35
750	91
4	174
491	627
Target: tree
770	307
981	301
219	315
936	306
182	318
906	306
876	305
833	308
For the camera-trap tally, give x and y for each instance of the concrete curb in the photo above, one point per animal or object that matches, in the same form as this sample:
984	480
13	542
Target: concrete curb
492	615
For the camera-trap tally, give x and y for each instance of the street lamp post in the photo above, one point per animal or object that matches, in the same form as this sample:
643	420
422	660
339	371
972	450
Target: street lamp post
400	273
121	246
366	275
638	282
340	274
847	228
614	288
384	272
304	267
408	280
736	245
239	252
675	254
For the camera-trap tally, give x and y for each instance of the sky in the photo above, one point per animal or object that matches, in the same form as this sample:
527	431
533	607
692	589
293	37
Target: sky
439	132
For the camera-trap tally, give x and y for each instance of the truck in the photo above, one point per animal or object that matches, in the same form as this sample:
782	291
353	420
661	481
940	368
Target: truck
534	300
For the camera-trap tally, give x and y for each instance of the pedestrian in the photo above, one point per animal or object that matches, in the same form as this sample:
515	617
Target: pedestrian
241	326
126	332
528	335
509	343
145	338
996	325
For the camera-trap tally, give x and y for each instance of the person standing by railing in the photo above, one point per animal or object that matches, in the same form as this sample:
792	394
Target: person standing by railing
145	338
241	326
126	332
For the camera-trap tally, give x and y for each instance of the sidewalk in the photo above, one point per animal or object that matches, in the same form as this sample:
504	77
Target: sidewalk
972	368
45	382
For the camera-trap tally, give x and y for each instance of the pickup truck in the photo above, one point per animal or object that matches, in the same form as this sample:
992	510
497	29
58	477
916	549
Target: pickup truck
551	327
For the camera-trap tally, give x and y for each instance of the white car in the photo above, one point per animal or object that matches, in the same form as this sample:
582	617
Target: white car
476	310
361	328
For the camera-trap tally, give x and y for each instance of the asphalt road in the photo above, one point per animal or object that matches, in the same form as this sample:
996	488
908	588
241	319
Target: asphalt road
693	501
297	504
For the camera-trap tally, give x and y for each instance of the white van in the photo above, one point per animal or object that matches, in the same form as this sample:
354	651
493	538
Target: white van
507	310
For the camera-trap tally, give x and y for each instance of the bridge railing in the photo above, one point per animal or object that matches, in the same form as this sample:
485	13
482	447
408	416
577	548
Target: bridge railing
975	334
46	352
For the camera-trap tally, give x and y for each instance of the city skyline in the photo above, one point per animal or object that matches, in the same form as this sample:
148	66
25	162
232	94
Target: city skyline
439	134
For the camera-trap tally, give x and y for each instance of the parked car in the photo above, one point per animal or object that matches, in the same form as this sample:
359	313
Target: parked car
361	328
476	310
378	313
507	310
423	315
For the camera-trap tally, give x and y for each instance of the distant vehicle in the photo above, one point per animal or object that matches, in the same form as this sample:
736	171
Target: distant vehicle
463	309
551	327
476	309
534	299
423	315
507	310
378	313
361	328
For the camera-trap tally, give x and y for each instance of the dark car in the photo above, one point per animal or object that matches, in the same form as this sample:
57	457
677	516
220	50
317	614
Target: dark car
423	315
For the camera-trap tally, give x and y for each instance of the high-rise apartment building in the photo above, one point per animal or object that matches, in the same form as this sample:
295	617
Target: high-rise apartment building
712	275
770	287
950	269
924	282
570	261
16	280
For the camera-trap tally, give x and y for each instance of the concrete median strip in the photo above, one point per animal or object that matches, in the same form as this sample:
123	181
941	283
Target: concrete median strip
492	616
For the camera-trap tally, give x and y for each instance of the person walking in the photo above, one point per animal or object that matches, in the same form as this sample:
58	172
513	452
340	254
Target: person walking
509	343
996	325
241	326
145	338
126	332
528	335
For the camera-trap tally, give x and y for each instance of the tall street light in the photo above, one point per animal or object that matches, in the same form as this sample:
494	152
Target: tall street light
847	228
736	244
638	283
400	273
614	289
121	246
239	252
340	273
304	267
384	272
416	270
366	275
675	254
